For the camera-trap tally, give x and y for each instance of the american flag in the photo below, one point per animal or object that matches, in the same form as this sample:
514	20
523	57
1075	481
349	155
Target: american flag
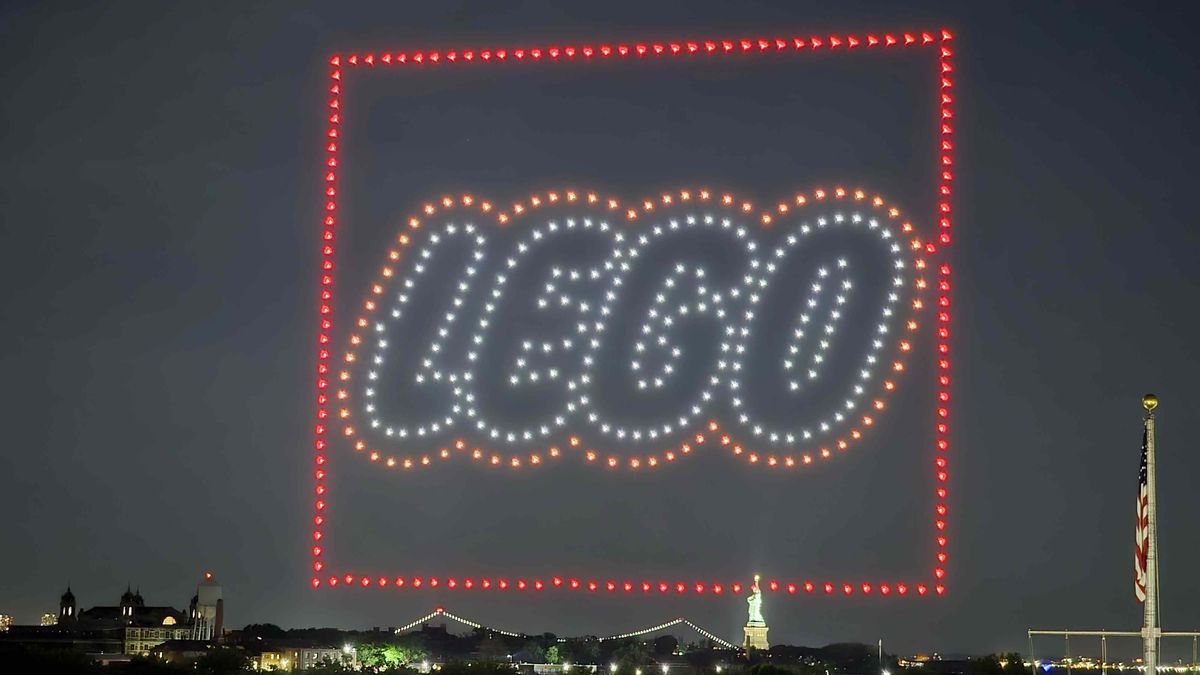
1142	532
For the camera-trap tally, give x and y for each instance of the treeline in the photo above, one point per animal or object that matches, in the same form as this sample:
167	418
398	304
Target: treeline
482	652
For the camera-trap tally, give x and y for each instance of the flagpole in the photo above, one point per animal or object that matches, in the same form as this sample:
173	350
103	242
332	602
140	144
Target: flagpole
1150	630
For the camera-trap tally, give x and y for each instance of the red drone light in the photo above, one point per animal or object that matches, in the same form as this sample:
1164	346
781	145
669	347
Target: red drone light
938	43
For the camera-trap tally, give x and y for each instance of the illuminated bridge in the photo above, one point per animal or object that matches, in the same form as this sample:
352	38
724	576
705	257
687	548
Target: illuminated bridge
441	611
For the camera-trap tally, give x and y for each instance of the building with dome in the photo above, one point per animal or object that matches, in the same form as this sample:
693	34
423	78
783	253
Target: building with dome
130	626
139	627
131	610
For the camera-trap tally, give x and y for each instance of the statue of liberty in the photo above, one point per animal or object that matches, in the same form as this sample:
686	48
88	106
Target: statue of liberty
756	626
755	605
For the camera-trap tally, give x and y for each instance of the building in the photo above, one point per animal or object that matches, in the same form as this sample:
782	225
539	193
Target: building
129	627
272	659
138	626
131	610
84	638
557	668
141	640
66	607
303	658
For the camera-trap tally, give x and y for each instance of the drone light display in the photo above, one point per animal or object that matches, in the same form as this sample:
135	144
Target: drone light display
569	350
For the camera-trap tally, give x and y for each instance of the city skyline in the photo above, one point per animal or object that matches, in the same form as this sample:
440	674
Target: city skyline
162	194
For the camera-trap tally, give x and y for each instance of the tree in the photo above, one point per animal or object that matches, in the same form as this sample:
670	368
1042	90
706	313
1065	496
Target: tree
266	631
665	645
493	649
376	655
22	659
329	668
379	655
478	668
533	652
223	661
770	669
552	655
851	657
580	650
633	654
1014	664
988	665
703	659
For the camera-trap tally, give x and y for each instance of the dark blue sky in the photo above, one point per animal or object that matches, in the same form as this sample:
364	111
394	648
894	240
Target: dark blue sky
159	183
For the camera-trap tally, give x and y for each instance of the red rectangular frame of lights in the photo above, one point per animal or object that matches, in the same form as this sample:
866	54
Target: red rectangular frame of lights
938	42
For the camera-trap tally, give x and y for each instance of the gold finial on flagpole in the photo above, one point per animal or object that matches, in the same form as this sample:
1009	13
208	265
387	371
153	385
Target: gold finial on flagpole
1150	402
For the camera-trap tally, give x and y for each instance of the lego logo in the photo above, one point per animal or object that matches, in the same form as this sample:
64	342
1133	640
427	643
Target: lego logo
571	327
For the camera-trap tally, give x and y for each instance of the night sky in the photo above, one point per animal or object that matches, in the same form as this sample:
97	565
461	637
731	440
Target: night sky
160	181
